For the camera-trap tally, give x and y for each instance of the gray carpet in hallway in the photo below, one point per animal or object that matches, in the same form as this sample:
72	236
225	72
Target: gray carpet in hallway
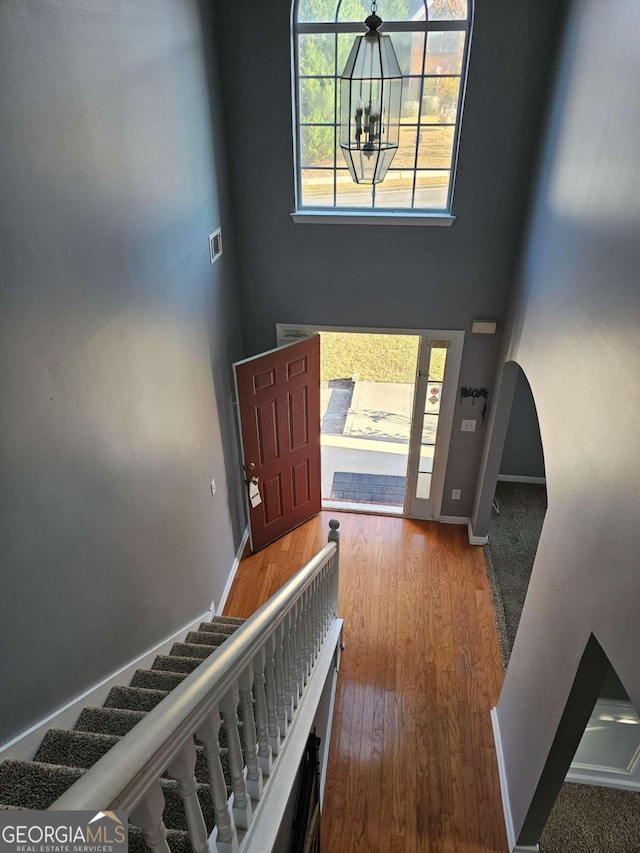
585	818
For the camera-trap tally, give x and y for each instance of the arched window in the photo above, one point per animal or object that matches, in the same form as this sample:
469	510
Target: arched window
431	41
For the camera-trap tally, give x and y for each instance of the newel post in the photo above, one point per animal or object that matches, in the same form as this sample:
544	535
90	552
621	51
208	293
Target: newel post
334	536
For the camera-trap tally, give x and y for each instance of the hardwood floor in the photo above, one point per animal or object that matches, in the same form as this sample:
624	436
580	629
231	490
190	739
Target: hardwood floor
412	766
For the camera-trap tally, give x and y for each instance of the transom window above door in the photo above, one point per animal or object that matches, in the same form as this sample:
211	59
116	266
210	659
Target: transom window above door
431	42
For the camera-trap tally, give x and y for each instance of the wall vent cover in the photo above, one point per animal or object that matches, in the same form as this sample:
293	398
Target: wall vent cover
215	245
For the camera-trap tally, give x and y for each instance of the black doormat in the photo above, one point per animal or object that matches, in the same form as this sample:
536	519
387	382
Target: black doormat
368	488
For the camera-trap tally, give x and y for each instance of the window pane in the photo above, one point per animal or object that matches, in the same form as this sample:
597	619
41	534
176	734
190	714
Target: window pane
423	488
396	190
316	146
389	10
410	99
350	194
435	147
317	188
444	53
316	11
409	48
406	153
440	100
316	54
437	363
448	10
432	189
317	100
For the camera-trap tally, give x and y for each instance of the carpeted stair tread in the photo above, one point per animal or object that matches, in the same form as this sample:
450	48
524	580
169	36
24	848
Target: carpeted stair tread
192	650
34	785
209	638
229	620
218	628
108	721
154	679
134	698
74	749
171	663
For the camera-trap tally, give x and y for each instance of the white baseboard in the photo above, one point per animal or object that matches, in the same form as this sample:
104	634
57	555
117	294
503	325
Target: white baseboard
520	478
24	746
473	539
506	805
453	519
232	573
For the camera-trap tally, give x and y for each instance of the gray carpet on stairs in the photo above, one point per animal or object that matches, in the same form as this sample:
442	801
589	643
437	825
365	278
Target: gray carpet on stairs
585	818
63	755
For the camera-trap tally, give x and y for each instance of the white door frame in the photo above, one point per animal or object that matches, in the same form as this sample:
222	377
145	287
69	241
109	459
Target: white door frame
427	509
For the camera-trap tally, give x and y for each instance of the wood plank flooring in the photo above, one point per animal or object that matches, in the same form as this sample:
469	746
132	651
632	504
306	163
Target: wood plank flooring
412	766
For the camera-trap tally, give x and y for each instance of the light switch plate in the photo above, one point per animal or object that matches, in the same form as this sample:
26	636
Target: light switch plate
455	494
213	487
468	426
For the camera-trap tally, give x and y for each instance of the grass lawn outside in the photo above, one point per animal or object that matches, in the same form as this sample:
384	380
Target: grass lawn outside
375	358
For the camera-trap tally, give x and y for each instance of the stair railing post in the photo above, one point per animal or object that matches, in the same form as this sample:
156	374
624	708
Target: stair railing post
286	663
306	621
182	769
265	758
225	836
254	773
148	816
279	676
300	645
240	802
293	656
270	692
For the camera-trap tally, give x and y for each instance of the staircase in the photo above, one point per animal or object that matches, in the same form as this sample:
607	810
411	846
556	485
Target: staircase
63	756
194	748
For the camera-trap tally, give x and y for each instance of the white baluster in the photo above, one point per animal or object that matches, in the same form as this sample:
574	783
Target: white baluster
301	645
281	710
241	802
254	774
286	663
317	622
265	758
270	690
325	601
306	669
224	833
293	656
148	816
182	769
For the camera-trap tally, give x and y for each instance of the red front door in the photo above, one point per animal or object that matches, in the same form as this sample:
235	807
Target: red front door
279	405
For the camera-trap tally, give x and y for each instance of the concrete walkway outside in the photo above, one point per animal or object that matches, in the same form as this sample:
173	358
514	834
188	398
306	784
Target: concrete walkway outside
375	434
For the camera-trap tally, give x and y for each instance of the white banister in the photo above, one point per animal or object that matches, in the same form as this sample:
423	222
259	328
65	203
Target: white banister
225	832
264	667
148	816
265	758
254	773
182	769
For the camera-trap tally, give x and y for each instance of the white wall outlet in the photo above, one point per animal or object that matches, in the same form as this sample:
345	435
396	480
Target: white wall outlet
213	487
455	494
468	426
215	245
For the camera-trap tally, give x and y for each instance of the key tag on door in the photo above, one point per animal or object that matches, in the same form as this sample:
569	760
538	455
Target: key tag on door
254	493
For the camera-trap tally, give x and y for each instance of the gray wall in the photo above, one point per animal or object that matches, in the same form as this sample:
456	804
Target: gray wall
575	334
523	455
388	276
116	338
